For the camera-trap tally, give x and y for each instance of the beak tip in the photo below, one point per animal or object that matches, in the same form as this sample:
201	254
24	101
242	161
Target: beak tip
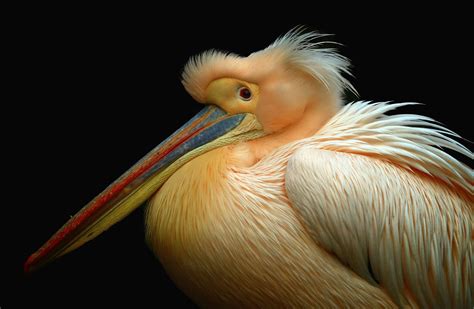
30	264
27	265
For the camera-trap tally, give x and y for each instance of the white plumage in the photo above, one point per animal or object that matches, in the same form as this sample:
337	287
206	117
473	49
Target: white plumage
297	200
368	189
375	191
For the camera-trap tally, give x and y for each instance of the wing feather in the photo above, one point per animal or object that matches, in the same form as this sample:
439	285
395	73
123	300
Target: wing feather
395	227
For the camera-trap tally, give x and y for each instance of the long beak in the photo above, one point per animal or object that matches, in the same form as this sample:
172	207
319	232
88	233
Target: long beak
209	129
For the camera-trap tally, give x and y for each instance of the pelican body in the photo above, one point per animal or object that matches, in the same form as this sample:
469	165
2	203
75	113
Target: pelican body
278	195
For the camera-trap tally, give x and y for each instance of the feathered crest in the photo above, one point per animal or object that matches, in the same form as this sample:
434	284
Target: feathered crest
202	69
307	52
297	49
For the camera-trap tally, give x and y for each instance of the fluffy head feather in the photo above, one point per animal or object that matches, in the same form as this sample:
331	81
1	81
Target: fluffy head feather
294	50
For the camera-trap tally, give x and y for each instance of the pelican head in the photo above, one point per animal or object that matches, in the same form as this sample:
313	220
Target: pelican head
285	92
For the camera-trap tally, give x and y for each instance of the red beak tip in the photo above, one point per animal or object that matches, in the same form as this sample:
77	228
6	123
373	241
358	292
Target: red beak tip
27	267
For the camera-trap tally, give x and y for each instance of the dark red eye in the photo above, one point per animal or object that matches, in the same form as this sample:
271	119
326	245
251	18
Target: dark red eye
245	93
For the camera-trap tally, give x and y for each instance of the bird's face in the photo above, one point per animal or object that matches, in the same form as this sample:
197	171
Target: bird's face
276	101
233	95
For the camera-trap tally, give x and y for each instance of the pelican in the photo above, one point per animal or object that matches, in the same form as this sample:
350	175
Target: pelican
280	194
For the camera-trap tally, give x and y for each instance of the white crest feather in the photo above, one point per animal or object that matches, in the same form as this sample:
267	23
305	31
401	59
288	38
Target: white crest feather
297	49
306	51
204	68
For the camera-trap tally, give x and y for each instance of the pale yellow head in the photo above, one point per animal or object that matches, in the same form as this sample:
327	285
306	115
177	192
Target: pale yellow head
293	79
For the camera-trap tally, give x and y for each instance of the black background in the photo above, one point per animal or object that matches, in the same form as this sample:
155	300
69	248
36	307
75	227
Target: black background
95	89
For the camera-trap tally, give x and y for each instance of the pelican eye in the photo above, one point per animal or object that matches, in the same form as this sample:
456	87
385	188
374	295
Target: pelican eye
244	93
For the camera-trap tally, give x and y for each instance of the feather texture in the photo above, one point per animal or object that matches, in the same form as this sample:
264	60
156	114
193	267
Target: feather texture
259	236
411	141
377	191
